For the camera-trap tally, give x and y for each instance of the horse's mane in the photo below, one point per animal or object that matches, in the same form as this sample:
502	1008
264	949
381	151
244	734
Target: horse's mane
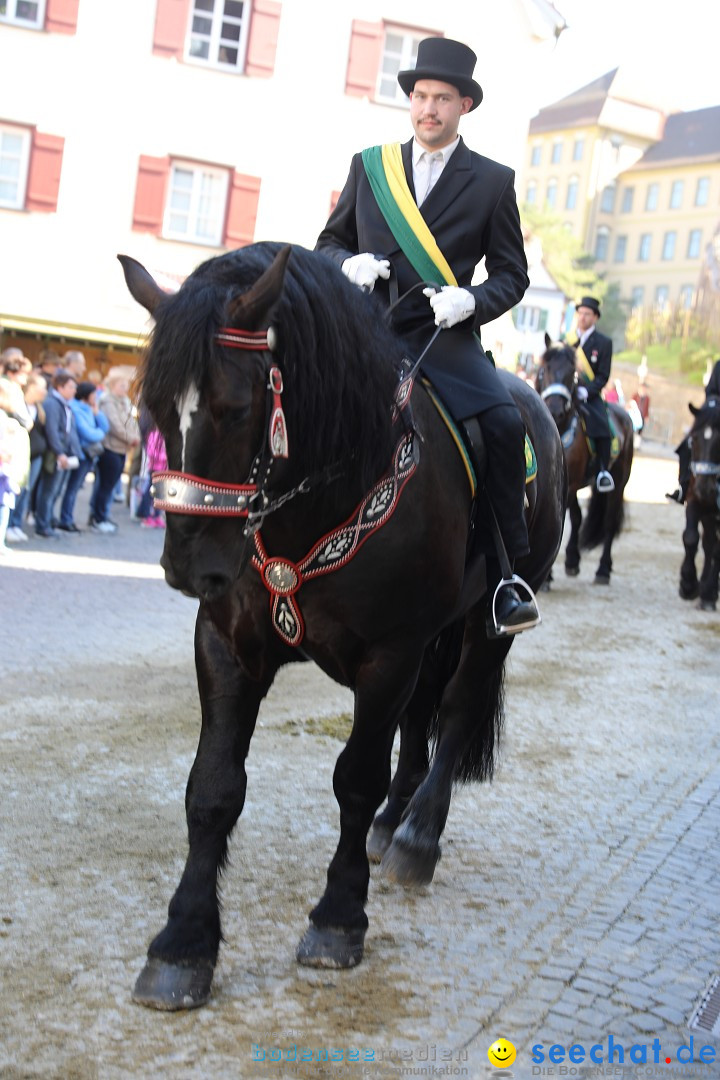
338	356
559	350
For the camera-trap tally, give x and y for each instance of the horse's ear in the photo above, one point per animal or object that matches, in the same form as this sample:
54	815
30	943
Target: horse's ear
693	409
548	341
142	285
250	307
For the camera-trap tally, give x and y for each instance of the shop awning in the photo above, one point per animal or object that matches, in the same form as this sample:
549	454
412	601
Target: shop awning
72	331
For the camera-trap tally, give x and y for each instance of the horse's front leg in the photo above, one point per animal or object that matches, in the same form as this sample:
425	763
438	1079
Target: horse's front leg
181	959
572	551
338	923
691	538
711	564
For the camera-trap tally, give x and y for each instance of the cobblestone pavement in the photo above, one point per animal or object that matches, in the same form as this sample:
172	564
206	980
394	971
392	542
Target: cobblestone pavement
576	903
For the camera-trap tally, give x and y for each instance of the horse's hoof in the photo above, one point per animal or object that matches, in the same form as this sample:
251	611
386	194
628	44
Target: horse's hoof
545	587
409	866
706	605
327	947
171	987
688	594
602	579
378	842
572	571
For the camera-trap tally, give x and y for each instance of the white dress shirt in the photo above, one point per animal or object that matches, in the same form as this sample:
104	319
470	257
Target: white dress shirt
427	165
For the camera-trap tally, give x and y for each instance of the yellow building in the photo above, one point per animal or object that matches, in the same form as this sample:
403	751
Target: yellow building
638	185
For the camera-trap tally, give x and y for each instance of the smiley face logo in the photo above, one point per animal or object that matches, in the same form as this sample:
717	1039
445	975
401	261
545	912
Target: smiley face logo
501	1053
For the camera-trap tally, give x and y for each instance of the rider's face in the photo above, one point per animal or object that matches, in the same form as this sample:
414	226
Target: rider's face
586	318
435	111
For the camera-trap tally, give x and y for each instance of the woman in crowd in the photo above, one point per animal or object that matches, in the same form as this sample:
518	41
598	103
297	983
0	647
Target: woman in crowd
123	434
92	427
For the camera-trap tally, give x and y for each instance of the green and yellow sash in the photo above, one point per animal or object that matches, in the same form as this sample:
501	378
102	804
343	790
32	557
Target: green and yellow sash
386	173
583	365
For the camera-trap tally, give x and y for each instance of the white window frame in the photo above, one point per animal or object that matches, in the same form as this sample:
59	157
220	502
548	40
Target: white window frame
13	19
637	297
578	149
621	245
677	194
531	193
192	235
644	247
652	196
702	191
18	202
215	39
687	295
552	185
669	245
602	243
536	155
694	234
571	195
628	198
556	152
662	296
405	60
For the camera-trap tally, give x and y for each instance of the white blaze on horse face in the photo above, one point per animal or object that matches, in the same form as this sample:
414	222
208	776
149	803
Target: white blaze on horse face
186	406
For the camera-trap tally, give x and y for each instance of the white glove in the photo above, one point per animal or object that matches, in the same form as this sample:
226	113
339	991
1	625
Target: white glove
582	393
451	305
364	269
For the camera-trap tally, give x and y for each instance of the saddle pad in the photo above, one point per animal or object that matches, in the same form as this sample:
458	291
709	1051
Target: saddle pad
459	440
614	440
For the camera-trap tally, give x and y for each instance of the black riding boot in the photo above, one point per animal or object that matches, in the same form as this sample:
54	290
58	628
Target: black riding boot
508	612
604	482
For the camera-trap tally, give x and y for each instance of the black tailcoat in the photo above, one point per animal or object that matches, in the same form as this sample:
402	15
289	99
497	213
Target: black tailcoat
598	350
472	213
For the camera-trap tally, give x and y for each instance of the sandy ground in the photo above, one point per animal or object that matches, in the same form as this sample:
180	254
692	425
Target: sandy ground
608	706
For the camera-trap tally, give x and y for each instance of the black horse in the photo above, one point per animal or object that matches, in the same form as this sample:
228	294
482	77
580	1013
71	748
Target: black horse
702	513
557	383
292	454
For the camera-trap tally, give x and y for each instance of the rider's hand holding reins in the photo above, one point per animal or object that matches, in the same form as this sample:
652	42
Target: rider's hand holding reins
364	269
582	394
451	305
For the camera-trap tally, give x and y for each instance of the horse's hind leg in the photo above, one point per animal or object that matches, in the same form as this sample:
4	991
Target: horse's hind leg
338	923
470	722
440	661
182	957
711	565
691	538
572	551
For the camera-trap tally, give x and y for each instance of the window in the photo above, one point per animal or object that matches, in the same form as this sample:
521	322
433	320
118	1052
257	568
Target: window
637	298
30	167
23	12
627	200
572	193
652	196
686	296
620	249
644	248
607	202
536	154
556	155
676	194
14	162
668	249
551	193
694	243
662	296
702	191
578	149
218	32
226	35
531	192
530	319
399	53
196	202
602	243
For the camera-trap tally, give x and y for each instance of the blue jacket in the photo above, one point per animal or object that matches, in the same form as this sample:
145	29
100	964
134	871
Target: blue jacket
91	427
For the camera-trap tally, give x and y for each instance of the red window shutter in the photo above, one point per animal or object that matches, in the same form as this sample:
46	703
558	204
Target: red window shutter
262	39
171	22
61	16
242	210
366	44
150	194
43	182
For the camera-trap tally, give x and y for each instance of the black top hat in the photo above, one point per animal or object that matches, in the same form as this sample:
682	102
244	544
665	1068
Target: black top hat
589	302
447	61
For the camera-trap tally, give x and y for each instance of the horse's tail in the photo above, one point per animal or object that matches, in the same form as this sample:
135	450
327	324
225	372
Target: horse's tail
477	761
605	517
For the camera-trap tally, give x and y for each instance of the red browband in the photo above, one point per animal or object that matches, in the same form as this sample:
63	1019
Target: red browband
242	339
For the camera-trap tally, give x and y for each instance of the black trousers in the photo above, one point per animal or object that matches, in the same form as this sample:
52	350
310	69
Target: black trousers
504	436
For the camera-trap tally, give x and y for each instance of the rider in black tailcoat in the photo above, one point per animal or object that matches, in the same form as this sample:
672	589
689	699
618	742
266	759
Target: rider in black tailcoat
683	450
469	205
598	352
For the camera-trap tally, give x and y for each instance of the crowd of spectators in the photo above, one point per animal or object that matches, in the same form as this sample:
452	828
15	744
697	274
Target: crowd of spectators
58	430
